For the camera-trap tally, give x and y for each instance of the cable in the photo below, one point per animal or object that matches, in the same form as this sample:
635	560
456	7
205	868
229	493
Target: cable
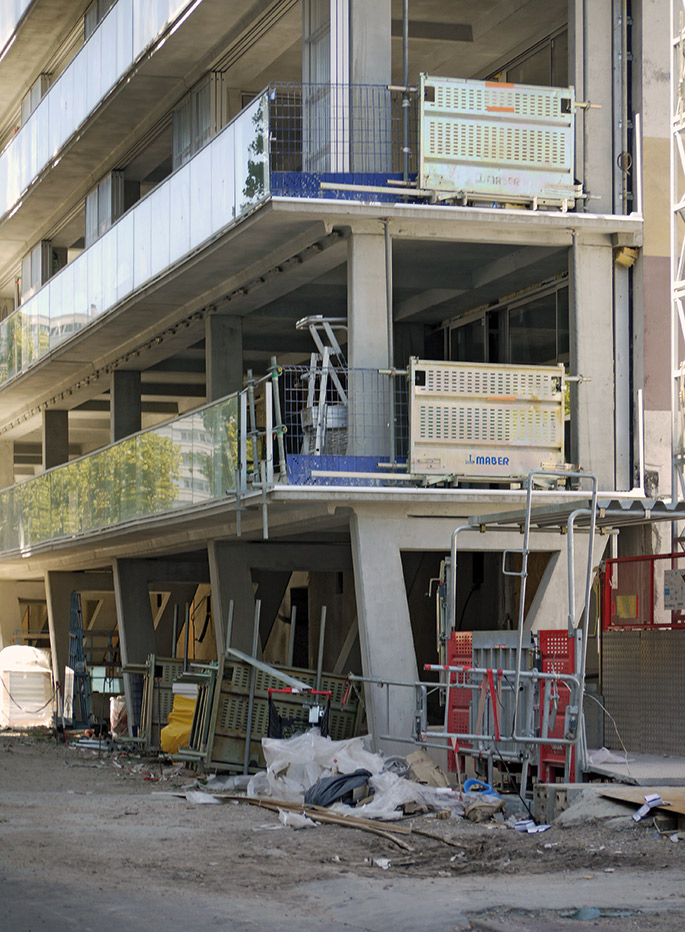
613	722
21	709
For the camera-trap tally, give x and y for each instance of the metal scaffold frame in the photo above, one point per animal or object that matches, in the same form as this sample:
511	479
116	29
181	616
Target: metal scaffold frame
677	232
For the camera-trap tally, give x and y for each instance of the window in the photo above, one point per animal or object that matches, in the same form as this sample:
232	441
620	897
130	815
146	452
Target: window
530	331
104	205
546	63
34	96
197	118
40	264
94	15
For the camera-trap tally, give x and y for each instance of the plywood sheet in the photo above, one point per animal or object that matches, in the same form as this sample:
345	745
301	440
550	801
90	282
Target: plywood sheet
675	795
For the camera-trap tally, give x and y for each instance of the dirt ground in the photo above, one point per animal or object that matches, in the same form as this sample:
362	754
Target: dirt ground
82	832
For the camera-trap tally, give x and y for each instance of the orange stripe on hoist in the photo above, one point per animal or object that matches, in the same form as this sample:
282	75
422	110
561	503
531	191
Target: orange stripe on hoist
498	84
500	109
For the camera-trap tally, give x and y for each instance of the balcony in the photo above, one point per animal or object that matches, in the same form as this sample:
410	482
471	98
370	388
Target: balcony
438	423
324	142
120	39
11	13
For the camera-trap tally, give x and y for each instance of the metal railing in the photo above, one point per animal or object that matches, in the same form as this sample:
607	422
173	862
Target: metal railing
320	132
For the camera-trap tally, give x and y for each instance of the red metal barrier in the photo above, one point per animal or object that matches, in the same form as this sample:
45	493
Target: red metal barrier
557	655
634	590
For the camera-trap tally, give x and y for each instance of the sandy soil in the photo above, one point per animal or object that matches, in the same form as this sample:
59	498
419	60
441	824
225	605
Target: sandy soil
67	813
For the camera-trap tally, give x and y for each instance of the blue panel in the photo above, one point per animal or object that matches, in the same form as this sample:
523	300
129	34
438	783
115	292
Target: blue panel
307	184
301	465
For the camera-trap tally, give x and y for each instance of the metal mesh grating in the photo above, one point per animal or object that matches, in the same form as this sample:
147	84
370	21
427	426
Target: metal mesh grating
492	143
471	379
489	424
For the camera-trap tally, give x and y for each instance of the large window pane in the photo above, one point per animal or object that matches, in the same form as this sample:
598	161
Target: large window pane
533	332
468	342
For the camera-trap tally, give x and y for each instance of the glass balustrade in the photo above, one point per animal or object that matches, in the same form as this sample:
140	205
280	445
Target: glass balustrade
126	31
222	182
11	11
187	462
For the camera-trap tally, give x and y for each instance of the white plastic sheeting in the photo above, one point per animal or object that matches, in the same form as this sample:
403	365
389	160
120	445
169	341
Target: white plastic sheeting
25	687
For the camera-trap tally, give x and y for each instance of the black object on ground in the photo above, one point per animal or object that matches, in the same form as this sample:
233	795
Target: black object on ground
329	790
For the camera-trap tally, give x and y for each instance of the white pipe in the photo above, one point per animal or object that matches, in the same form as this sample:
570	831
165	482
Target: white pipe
638	163
641	436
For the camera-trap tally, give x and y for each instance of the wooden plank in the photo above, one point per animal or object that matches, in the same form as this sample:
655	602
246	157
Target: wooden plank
674	795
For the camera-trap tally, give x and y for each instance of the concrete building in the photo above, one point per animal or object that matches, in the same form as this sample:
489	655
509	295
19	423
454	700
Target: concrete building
182	181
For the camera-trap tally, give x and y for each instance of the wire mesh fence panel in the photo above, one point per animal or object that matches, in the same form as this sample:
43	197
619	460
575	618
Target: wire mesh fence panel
335	133
344	422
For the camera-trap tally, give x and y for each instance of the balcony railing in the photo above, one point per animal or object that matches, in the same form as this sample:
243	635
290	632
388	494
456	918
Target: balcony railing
121	37
297	426
11	11
210	192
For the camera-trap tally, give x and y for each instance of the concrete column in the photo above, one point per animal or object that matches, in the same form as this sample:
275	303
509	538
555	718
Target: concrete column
134	618
370	42
367	347
55	438
370	74
58	589
10	613
592	342
6	463
223	355
385	634
367	316
125	404
231	578
590	72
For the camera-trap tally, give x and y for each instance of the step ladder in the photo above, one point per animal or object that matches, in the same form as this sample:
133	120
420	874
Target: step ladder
326	403
80	704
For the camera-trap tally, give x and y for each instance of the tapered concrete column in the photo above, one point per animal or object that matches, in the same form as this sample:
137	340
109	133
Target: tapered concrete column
134	618
223	355
125	404
590	54
58	589
6	463
55	438
10	613
385	634
592	356
231	578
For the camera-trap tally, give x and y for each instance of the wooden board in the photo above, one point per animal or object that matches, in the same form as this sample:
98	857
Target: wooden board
675	795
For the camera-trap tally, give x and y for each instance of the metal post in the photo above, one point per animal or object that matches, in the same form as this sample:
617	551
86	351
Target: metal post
322	634
253	426
185	644
279	426
291	643
250	701
175	634
405	93
229	624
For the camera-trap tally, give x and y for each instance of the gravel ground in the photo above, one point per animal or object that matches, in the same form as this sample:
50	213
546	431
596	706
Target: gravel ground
69	816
